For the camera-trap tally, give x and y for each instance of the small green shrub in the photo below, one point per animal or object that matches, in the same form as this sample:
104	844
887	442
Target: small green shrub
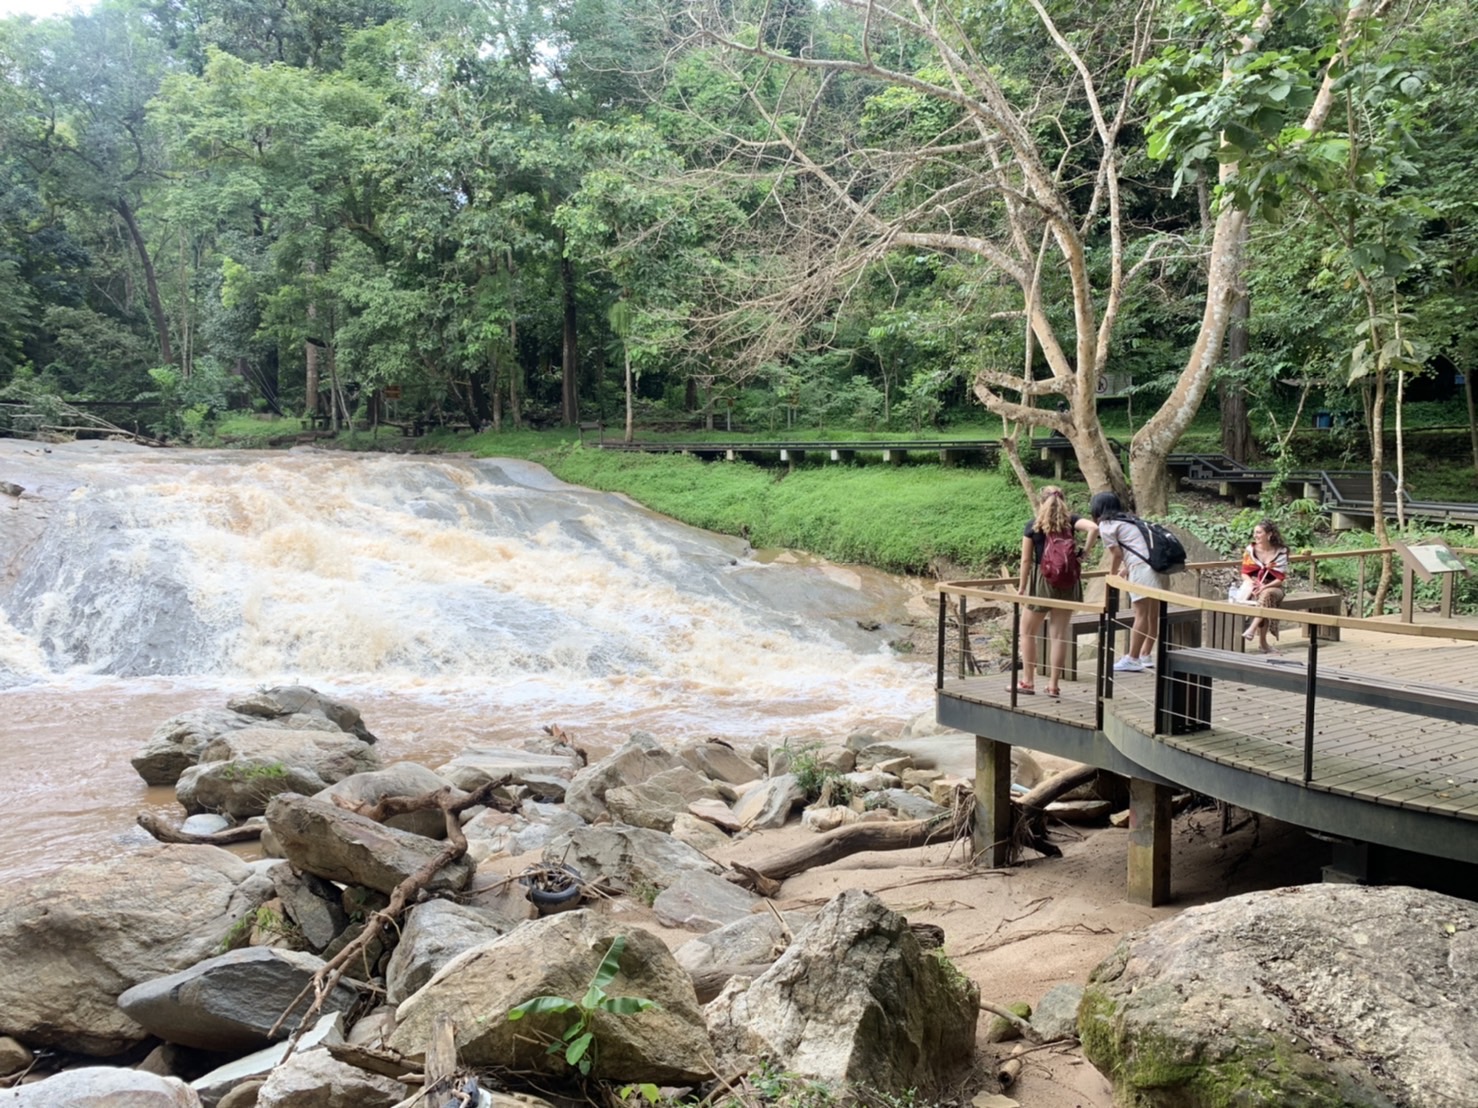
578	1044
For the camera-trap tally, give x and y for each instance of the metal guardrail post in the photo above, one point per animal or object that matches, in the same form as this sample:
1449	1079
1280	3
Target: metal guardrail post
1015	649
939	658
1312	679
1162	726
964	640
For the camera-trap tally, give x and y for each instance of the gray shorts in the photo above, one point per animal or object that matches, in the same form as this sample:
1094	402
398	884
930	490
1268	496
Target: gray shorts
1141	574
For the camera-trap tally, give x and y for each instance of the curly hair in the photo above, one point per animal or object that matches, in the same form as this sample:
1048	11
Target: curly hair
1270	529
1052	516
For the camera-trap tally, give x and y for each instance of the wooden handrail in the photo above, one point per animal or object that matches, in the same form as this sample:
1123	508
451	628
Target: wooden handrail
1317	619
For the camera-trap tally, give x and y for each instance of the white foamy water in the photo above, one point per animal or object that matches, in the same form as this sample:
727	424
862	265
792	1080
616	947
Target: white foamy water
453	600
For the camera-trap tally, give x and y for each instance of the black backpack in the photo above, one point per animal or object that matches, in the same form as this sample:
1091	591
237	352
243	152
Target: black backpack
1167	555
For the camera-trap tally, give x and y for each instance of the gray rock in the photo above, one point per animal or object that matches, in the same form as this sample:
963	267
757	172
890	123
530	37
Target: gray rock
301	702
870	781
854	1000
103	1087
1056	1014
720	762
331	756
557	956
432	935
627	856
340	846
73	940
757	939
907	805
769	803
242	788
640	758
703	902
230	1002
14	1056
699	834
176	744
315	1079
476	766
397	779
310	902
205	824
660	799
216	1084
1317	995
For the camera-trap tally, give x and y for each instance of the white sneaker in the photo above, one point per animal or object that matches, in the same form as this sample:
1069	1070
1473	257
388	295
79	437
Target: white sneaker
1147	660
1128	664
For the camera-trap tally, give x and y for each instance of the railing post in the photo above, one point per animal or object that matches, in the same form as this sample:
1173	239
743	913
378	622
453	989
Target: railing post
1360	588
939	659
964	638
1015	647
1161	681
1311	679
1106	620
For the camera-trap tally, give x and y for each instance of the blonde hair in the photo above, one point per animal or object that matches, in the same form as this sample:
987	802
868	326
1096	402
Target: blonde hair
1053	516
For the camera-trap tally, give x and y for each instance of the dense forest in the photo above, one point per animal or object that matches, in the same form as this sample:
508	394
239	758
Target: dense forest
748	213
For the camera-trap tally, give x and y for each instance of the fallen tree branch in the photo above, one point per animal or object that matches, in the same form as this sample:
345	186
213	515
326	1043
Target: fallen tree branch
857	838
1028	1032
328	975
167	833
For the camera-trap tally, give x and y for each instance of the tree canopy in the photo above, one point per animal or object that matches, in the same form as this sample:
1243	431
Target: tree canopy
865	214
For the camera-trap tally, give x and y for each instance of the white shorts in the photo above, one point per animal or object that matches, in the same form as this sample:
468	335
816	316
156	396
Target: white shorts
1141	574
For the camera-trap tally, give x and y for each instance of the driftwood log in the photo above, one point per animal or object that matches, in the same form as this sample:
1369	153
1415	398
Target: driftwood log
166	833
1030	827
328	975
856	838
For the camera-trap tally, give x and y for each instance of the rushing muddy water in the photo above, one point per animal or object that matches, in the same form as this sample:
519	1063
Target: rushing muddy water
452	600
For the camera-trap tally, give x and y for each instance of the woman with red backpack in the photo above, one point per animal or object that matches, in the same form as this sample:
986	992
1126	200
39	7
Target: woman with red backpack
1051	567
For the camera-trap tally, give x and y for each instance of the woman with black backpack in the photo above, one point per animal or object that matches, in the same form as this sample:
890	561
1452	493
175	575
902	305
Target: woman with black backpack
1051	567
1127	541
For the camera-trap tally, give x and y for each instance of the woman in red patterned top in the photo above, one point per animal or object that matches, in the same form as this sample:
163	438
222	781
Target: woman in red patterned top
1265	565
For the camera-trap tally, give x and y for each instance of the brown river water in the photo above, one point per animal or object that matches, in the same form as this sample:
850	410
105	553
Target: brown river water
454	601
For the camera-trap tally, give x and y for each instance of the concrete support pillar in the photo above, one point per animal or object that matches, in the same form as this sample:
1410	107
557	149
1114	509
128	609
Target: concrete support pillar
894	457
991	838
1149	842
1350	863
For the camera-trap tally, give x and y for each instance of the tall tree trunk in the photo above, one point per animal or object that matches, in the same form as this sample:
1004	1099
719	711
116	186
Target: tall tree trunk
1236	430
151	281
571	395
630	429
310	384
1472	414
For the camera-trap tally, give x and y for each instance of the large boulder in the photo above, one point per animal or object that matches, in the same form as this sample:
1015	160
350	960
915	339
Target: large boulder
1317	995
253	1069
477	765
72	941
558	956
397	779
176	743
337	845
628	857
641	757
431	935
660	799
230	1003
854	1000
299	702
315	1079
720	762
102	1087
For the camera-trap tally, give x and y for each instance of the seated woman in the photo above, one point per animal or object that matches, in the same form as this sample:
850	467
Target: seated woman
1265	565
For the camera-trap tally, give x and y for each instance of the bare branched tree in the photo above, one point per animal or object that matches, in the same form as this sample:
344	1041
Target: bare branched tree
1023	180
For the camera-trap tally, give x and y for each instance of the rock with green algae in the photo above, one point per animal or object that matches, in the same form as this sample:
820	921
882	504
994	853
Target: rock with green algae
1318	996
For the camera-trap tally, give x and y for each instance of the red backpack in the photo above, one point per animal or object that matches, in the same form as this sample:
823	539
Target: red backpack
1060	565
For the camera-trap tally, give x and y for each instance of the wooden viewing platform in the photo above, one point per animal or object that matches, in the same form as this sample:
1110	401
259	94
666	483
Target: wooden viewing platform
1370	741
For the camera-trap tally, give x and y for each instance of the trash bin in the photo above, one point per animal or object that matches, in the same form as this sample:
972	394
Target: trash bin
1323	421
